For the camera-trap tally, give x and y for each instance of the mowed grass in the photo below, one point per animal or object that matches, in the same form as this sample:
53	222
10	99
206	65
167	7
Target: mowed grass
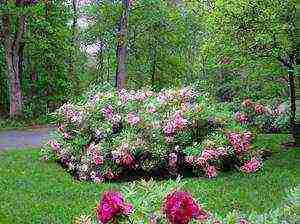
32	191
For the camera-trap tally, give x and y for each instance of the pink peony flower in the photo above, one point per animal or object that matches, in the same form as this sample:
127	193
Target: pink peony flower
179	208
133	119
210	171
111	206
251	166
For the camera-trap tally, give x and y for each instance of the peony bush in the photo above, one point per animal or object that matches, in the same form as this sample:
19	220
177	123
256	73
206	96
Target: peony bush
108	135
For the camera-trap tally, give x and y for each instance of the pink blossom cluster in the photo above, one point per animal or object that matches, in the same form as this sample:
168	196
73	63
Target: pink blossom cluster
133	118
109	114
210	171
241	117
132	95
212	154
111	206
70	112
202	162
251	166
54	145
122	156
240	142
185	93
259	109
180	208
177	122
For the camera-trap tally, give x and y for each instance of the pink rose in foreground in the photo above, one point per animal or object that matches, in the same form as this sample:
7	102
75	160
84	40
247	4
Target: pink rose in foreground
180	208
251	166
111	206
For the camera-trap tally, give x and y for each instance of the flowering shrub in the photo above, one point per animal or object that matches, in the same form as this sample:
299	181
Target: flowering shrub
110	135
266	117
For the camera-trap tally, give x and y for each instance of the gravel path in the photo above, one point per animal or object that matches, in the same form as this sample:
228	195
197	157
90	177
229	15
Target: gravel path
24	139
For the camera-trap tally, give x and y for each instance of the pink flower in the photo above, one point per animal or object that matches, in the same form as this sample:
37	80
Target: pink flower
185	93
162	98
54	145
151	109
177	122
111	206
127	159
200	161
189	160
240	142
251	166
179	208
98	160
67	136
210	171
133	119
241	117
107	112
211	154
259	109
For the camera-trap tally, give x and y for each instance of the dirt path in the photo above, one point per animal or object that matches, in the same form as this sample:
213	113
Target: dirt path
24	139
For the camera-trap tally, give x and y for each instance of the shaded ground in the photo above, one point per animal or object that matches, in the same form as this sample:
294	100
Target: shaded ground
20	139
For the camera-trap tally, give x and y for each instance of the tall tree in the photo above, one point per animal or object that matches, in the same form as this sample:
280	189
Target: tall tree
12	41
121	46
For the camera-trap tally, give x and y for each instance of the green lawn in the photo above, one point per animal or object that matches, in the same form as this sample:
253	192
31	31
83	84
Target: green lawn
32	191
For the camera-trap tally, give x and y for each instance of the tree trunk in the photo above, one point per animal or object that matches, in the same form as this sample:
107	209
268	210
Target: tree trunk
13	53
72	67
13	74
121	47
